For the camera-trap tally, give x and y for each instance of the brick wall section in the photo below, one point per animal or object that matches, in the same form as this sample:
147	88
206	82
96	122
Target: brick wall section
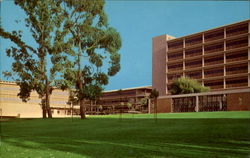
164	105
238	102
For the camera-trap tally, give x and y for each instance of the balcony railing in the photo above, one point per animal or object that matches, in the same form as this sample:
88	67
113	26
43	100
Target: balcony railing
193	40
193	52
214	36
214	84
195	74
214	48
237	69
175	56
214	60
193	64
175	67
237	56
237	30
237	43
175	45
214	72
237	82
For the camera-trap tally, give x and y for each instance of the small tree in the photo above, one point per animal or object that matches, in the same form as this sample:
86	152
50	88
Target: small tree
143	102
154	95
185	85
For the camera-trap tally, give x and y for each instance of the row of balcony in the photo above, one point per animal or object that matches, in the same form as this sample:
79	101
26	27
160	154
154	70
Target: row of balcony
219	47
213	72
209	61
209	36
219	83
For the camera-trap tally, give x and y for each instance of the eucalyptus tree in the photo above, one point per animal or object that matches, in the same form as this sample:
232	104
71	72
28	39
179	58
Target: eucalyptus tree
35	66
95	48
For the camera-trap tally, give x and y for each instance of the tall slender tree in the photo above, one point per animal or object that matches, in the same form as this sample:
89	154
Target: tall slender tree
154	95
95	45
31	69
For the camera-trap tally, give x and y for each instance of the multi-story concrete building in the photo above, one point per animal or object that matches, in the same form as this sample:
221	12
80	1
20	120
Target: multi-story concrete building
218	58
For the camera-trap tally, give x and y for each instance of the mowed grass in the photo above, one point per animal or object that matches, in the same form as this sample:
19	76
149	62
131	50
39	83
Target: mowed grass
201	135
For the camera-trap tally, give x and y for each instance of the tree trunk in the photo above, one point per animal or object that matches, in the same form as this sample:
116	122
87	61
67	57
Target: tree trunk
48	99
44	111
82	109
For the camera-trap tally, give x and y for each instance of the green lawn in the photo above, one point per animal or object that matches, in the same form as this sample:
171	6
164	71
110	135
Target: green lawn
211	134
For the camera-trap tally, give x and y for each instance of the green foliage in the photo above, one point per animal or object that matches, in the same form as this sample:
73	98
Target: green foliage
185	85
30	69
143	102
154	94
93	50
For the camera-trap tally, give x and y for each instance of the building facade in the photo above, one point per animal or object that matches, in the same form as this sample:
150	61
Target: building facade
111	102
218	58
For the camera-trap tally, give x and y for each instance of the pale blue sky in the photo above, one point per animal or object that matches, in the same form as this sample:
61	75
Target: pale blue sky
138	22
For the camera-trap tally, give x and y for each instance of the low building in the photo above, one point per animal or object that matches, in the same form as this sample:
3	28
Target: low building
111	102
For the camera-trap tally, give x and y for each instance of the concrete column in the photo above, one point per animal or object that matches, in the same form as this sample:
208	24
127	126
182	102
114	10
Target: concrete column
225	33
248	67
225	60
203	38
184	43
197	103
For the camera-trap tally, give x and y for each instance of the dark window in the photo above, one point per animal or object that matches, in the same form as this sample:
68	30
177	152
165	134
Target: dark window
214	83
214	47
237	81
232	43
237	55
175	44
215	34
194	74
214	71
237	29
193	40
198	62
193	51
175	66
242	67
208	60
175	55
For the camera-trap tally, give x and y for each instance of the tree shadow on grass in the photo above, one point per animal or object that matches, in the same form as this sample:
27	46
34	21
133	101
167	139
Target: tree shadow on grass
134	137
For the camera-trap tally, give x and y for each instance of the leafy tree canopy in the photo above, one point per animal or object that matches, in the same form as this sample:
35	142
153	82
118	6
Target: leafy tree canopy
185	85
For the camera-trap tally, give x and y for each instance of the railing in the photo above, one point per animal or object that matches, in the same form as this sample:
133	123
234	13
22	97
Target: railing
237	43
175	67
237	56
214	48
193	64
174	56
237	30
193	40
214	36
214	84
214	72
175	45
214	60
239	82
193	52
195	75
237	69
